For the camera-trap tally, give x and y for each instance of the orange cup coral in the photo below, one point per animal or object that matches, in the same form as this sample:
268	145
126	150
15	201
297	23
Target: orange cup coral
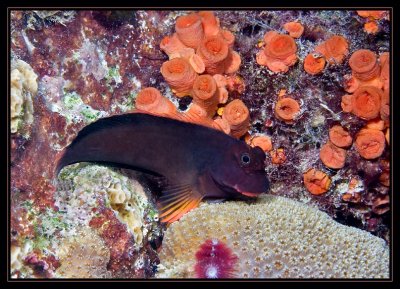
232	62
197	63
332	156
287	109
279	52
180	75
205	93
364	64
340	137
222	94
228	37
384	60
237	115
334	49
387	135
171	45
150	99
370	143
316	182
213	50
371	27
210	23
373	14
375	124
197	114
278	156
385	110
295	29
189	29
314	64
222	125
364	103
262	141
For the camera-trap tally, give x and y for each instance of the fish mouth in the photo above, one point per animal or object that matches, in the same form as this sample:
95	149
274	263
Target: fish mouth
235	191
247	194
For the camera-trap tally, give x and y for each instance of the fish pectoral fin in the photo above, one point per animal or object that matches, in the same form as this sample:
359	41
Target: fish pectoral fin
176	201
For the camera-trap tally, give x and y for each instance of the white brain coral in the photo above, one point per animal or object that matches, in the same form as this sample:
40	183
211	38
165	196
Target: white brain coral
23	87
275	238
83	256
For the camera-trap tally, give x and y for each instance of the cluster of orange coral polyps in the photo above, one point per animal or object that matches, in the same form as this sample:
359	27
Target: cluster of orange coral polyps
370	143
295	29
371	26
200	53
198	31
372	14
316	182
366	71
150	100
180	75
334	49
364	103
279	52
237	115
370	100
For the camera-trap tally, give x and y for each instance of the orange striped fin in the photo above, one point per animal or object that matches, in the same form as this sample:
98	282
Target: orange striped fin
177	201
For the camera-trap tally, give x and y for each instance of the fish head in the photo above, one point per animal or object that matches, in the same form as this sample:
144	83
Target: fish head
241	172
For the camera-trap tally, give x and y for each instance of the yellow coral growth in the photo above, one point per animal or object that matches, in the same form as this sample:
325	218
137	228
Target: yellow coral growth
23	87
275	238
129	207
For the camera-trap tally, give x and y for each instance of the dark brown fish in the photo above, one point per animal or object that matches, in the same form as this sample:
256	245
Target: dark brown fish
198	162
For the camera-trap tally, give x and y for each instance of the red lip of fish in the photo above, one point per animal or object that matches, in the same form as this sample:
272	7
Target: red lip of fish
191	157
248	194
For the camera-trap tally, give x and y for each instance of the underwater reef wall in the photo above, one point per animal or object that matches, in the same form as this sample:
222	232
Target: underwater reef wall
274	238
297	92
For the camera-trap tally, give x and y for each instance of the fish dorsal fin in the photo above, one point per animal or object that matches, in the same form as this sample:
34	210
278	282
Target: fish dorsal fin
176	201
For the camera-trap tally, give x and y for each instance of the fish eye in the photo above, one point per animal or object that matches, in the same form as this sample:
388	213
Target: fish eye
245	158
